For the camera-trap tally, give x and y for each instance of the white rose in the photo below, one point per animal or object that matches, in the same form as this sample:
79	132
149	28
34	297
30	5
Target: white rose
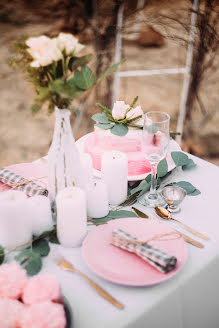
43	50
69	43
135	112
119	110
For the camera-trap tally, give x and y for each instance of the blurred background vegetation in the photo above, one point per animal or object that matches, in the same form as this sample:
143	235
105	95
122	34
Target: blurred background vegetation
155	36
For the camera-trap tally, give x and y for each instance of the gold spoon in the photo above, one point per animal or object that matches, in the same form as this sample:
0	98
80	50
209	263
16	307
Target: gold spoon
165	214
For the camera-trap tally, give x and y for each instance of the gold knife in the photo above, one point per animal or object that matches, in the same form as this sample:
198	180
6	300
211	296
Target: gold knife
185	237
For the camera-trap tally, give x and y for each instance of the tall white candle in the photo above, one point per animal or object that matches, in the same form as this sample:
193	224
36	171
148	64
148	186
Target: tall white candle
71	216
114	168
15	219
41	214
97	199
87	164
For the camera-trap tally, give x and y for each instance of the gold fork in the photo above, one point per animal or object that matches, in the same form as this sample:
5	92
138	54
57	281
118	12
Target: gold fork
66	265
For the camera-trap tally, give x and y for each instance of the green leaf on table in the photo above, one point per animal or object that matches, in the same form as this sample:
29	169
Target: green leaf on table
53	238
129	201
30	260
109	70
196	192
121	214
119	129
189	165
179	158
145	189
140	187
76	62
41	246
189	188
100	118
2	254
162	168
84	78
34	264
104	126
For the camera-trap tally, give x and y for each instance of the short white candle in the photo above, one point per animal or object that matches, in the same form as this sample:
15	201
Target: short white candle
71	216
87	164
41	214
97	199
114	168
15	219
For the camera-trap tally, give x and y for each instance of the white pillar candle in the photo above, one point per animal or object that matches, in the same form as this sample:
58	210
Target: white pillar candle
97	199
41	214
114	168
87	167
71	216
15	219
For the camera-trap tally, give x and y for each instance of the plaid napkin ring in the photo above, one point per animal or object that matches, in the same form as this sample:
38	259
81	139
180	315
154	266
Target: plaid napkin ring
152	255
19	183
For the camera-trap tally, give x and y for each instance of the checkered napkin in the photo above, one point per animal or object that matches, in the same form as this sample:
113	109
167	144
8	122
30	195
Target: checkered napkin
154	256
18	182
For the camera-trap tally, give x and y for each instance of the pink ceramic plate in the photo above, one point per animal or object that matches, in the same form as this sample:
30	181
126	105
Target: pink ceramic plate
32	171
122	267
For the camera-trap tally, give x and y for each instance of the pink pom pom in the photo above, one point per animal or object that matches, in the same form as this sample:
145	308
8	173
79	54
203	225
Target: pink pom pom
40	289
12	280
10	312
43	315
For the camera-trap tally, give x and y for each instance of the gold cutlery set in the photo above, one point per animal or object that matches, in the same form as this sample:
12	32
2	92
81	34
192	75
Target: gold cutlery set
162	213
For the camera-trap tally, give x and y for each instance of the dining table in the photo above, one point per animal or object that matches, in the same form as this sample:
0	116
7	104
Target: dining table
190	299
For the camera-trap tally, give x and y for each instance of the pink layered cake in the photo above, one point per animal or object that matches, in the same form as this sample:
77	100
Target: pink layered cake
103	140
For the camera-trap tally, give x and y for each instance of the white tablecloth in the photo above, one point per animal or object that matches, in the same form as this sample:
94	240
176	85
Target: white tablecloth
189	300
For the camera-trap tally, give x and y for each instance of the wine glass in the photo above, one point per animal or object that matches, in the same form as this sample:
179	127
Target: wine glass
155	142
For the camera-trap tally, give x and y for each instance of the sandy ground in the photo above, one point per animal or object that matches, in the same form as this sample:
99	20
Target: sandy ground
24	137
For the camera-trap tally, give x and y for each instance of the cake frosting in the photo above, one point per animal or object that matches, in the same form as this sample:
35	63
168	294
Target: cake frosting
103	140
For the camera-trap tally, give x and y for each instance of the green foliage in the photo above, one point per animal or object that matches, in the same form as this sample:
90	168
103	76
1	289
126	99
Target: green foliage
162	168
2	254
54	84
114	215
41	246
190	164
100	118
119	129
179	158
30	260
105	126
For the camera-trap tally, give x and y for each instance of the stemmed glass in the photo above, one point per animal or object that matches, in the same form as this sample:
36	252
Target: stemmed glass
155	142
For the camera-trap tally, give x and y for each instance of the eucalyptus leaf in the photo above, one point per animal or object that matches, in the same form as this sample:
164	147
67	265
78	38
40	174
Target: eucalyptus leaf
104	126
121	214
23	255
179	158
34	264
196	192
140	187
189	165
2	254
145	189
162	168
129	201
53	238
189	188
41	246
119	129
100	118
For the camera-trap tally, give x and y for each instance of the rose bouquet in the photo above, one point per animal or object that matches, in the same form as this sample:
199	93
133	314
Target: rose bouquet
120	118
54	67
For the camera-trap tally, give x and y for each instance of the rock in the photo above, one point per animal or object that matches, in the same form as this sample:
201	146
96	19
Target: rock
148	36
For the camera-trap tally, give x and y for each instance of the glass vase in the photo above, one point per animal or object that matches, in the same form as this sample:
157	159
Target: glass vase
64	164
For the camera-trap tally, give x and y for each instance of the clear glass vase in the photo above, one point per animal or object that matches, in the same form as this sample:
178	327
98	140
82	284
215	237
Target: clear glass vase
64	164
